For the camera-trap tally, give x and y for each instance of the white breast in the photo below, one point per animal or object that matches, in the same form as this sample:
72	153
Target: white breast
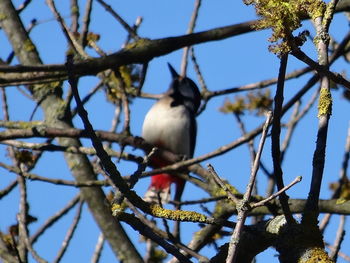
168	127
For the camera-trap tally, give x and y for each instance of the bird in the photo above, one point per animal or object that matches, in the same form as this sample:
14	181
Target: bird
170	124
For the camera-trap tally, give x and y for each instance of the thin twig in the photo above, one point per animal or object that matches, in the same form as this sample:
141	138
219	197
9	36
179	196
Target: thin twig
69	36
324	222
250	147
263	202
53	219
221	184
321	69
22	225
35	177
346	157
142	78
23	6
136	26
8	189
275	138
203	200
291	125
198	71
126	110
86	23
70	233
294	121
128	28
116	118
190	29
4	104
22	219
74	9
243	206
141	167
98	249
257	85
338	239
98	50
48	147
89	95
340	254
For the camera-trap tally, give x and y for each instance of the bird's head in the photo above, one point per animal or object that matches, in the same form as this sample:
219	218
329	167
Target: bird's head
184	91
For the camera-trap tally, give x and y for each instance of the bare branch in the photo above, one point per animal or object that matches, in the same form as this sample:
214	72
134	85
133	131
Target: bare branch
8	189
325	110
98	249
243	206
275	139
24	242
86	23
74	9
221	184
129	29
53	219
338	239
263	202
190	29
69	36
70	233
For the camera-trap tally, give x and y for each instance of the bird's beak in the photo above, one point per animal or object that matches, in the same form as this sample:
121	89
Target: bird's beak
173	72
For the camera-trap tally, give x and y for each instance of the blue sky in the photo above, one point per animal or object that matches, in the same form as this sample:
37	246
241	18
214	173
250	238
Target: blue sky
228	63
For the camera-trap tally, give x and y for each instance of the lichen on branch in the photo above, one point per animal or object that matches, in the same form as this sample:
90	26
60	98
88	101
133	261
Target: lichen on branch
178	215
284	17
325	102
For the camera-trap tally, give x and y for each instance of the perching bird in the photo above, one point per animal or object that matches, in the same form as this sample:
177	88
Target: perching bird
170	124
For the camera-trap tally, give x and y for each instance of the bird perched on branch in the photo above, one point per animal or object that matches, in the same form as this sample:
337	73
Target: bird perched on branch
170	124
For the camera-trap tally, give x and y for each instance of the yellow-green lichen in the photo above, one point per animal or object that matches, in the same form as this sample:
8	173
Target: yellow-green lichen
219	191
237	106
117	208
74	10
301	243
157	256
120	83
20	124
2	16
178	215
315	255
258	102
74	164
314	8
126	76
328	14
28	45
284	17
42	90
325	102
142	42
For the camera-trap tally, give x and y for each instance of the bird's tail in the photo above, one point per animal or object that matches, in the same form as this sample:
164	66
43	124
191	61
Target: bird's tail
159	190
